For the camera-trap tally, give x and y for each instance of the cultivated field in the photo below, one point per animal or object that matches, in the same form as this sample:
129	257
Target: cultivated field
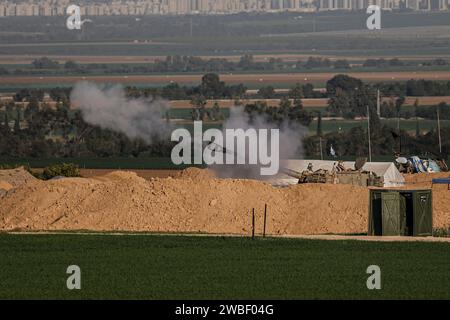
183	267
407	125
145	228
288	78
307	103
139	59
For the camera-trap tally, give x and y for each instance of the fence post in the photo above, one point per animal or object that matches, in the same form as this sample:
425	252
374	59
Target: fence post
265	219
253	223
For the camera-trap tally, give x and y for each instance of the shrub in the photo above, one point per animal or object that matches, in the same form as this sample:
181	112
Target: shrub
63	170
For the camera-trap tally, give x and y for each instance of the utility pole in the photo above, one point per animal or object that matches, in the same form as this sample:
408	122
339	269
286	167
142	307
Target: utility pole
368	133
320	143
439	130
378	104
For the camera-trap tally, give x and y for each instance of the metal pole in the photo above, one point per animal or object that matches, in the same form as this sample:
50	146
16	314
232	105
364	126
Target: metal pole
321	152
378	104
368	133
265	219
253	223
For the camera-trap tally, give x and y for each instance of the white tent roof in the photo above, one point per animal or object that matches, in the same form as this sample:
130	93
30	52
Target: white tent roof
391	176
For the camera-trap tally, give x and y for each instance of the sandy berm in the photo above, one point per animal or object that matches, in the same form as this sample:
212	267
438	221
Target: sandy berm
191	201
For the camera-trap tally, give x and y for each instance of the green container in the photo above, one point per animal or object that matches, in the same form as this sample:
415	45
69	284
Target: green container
400	212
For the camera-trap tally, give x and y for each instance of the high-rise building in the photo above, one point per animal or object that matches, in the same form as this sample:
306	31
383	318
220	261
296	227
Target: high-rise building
147	7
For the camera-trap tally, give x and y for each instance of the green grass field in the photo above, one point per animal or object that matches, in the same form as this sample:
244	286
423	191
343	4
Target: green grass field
99	163
128	163
345	125
327	125
188	267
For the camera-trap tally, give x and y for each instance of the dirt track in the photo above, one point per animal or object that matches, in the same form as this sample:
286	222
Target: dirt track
288	78
370	238
306	237
424	101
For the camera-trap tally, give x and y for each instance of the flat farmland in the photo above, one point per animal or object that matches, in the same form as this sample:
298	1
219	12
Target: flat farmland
8	59
149	266
161	164
307	103
226	103
281	78
409	125
426	101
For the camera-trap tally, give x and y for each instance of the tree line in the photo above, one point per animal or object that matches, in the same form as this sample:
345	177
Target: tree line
40	131
195	64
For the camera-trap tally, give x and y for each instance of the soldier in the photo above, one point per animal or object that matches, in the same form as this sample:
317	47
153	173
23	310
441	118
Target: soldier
340	166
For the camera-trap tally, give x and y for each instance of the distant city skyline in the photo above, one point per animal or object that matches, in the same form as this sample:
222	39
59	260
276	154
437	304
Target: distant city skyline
174	7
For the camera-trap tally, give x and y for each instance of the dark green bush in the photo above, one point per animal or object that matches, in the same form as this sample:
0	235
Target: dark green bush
63	170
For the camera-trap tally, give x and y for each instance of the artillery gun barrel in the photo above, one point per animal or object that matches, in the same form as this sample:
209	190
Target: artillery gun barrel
292	173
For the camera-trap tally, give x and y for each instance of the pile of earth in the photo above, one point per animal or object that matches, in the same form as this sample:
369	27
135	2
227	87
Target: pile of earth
193	201
423	180
13	178
16	177
195	174
4	187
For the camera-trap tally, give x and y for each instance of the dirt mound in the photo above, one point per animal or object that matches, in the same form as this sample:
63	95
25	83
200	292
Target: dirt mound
122	201
195	174
16	177
5	185
123	176
423	180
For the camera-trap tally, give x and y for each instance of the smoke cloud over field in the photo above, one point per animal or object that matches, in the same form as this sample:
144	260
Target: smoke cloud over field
290	143
109	108
291	133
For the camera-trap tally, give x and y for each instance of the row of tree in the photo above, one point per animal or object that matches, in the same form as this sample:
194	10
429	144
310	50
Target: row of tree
385	140
38	131
176	63
47	132
179	63
350	97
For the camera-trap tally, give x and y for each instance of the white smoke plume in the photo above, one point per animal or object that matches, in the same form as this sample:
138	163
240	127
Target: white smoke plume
290	142
291	133
109	108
